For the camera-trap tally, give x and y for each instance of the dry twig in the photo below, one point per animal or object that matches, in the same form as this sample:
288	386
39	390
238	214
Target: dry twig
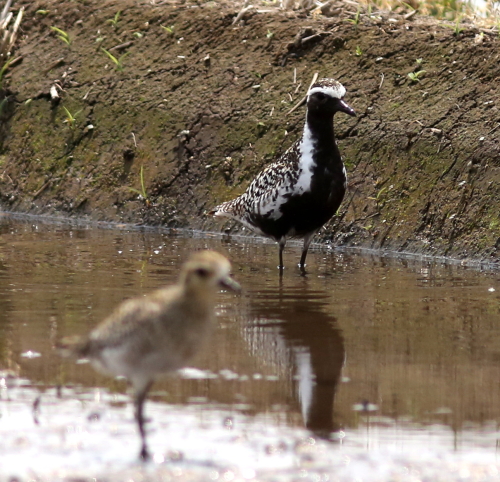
302	101
8	35
241	13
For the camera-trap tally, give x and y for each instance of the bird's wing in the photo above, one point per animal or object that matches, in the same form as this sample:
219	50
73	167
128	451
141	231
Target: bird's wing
134	315
264	193
274	184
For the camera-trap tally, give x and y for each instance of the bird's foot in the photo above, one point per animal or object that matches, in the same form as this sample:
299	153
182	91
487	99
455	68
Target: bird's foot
144	454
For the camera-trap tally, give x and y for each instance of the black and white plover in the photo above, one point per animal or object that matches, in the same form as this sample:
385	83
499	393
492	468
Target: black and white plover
296	195
147	337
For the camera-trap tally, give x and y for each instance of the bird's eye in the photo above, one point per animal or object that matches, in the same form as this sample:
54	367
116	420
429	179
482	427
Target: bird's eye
202	272
320	96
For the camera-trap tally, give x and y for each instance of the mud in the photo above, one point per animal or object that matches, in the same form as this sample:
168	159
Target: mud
201	105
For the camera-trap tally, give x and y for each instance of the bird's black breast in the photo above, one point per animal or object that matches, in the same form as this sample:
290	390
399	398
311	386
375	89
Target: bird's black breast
305	213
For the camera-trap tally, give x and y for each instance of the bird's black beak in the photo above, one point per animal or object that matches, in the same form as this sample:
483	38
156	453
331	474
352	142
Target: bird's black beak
344	107
230	284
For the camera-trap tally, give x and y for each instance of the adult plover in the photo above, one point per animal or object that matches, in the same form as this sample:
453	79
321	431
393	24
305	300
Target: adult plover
147	337
297	194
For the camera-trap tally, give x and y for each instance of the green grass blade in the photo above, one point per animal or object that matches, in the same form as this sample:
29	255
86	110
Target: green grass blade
143	187
111	56
4	69
60	32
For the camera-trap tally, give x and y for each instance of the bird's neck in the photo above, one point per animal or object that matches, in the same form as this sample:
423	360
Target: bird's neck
320	130
199	298
318	146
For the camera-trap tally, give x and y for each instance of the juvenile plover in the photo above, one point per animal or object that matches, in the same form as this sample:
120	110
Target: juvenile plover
296	195
147	337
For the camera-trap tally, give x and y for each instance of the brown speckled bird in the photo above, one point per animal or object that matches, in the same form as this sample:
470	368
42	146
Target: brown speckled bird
147	337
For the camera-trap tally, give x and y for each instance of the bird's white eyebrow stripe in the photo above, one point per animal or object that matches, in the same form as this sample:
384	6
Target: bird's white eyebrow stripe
337	92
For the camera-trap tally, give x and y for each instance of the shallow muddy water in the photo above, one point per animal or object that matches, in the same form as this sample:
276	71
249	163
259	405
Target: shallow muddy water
366	368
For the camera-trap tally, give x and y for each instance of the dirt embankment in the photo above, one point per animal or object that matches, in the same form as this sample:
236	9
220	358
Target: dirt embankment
200	105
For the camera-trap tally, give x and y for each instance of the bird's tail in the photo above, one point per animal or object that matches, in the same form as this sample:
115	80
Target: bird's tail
73	347
225	210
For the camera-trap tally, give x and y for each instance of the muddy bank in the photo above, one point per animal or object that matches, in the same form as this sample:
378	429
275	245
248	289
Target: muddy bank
200	105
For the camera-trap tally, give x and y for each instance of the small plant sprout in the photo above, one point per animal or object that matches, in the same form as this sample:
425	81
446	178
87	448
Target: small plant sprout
359	52
379	197
409	7
62	35
357	18
142	192
269	34
419	61
4	69
415	76
117	61
138	34
169	30
114	21
70	118
42	12
3	103
456	27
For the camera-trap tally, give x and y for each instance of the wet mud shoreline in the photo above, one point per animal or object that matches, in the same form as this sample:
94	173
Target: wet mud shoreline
199	106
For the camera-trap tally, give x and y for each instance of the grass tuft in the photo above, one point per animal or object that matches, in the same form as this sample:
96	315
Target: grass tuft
117	61
114	21
62	35
70	118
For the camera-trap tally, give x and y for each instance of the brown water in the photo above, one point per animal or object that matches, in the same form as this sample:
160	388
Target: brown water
377	356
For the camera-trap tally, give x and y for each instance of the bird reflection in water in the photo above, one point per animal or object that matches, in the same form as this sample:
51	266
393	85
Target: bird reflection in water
292	331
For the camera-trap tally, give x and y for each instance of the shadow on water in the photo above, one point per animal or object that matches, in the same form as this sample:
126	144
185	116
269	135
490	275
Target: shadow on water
292	328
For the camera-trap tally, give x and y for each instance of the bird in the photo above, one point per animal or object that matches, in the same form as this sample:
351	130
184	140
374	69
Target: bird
147	337
297	194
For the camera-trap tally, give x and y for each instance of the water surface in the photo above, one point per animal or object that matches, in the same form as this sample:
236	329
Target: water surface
364	367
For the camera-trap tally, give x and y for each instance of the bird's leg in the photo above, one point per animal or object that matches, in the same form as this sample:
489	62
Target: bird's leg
307	242
140	397
281	244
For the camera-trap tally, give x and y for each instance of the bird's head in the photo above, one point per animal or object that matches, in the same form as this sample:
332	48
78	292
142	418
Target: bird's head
208	270
325	97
